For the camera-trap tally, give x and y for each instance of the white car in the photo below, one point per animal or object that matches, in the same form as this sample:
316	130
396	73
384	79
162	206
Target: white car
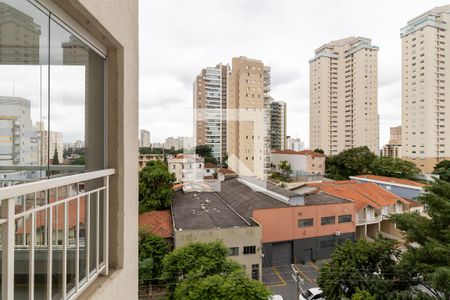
276	297
312	294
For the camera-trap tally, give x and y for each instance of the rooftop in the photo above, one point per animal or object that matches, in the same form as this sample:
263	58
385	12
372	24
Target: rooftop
203	210
303	152
209	165
157	222
392	180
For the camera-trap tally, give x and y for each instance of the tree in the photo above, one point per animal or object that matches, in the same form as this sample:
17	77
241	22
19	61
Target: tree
203	150
317	150
428	253
235	285
285	167
225	161
78	161
364	266
363	295
155	186
152	250
443	170
349	162
55	160
393	167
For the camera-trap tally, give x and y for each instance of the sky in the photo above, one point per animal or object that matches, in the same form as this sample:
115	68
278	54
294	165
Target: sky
180	37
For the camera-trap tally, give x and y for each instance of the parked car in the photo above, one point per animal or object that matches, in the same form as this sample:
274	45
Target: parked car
276	297
312	294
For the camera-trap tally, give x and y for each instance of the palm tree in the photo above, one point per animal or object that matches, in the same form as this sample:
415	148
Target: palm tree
285	168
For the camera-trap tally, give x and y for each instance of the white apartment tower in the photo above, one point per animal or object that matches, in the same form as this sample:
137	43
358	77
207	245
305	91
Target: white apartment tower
210	103
145	138
425	88
248	118
343	96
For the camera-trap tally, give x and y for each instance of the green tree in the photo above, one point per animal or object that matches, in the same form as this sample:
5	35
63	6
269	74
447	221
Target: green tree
443	170
393	167
203	150
152	250
235	285
428	253
317	150
363	295
349	162
363	266
202	258
55	160
155	186
285	167
78	161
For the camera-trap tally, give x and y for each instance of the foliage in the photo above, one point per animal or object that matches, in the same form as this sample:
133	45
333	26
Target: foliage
148	150
55	160
317	150
205	151
349	162
203	259
285	167
443	170
78	161
152	250
235	285
362	295
431	259
393	167
155	186
363	266
225	161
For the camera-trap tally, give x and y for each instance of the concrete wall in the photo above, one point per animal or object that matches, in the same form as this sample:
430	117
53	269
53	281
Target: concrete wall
231	237
281	224
298	162
115	24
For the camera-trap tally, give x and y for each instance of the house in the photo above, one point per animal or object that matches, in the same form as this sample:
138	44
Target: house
202	216
373	206
224	174
158	223
402	187
187	167
210	170
145	158
303	163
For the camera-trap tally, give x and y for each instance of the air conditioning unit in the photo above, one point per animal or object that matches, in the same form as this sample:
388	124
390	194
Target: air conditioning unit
337	233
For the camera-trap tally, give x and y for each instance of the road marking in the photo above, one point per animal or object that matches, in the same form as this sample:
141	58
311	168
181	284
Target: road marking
315	267
279	276
304	275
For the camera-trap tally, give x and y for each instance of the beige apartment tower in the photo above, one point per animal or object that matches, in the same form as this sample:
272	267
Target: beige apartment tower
393	148
343	96
425	88
248	117
210	103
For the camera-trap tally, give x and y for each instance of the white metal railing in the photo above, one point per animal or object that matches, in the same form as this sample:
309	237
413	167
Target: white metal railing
368	220
60	223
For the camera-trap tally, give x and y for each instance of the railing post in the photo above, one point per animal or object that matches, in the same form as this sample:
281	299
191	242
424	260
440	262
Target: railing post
106	228
8	242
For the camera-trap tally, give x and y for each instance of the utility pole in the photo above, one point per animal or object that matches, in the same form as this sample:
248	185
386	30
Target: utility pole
298	280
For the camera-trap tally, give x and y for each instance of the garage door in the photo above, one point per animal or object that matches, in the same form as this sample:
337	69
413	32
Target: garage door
282	254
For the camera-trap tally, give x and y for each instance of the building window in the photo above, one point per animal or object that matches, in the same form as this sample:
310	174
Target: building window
255	271
305	223
234	251
249	249
328	220
345	218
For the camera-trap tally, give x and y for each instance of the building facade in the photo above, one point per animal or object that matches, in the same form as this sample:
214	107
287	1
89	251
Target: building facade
393	148
248	117
305	162
343	95
210	103
294	144
187	168
278	125
145	138
425	95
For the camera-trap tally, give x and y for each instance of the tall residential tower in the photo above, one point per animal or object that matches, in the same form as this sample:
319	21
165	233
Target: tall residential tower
425	88
210	103
343	96
248	118
278	125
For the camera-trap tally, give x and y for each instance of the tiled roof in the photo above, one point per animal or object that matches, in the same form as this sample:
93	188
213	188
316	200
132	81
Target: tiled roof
209	165
392	180
362	194
157	222
303	152
225	171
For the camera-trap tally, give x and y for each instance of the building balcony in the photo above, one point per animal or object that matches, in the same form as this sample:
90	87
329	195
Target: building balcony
59	224
369	220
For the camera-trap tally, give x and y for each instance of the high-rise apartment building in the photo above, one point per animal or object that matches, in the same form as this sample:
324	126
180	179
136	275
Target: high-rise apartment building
343	96
248	117
145	138
52	147
278	125
425	88
294	144
393	148
210	103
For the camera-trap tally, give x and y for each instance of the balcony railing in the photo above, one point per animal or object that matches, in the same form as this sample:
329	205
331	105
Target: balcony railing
54	235
370	220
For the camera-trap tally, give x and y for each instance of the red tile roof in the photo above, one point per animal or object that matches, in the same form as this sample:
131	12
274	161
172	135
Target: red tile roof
157	222
209	165
225	171
303	152
362	194
392	180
